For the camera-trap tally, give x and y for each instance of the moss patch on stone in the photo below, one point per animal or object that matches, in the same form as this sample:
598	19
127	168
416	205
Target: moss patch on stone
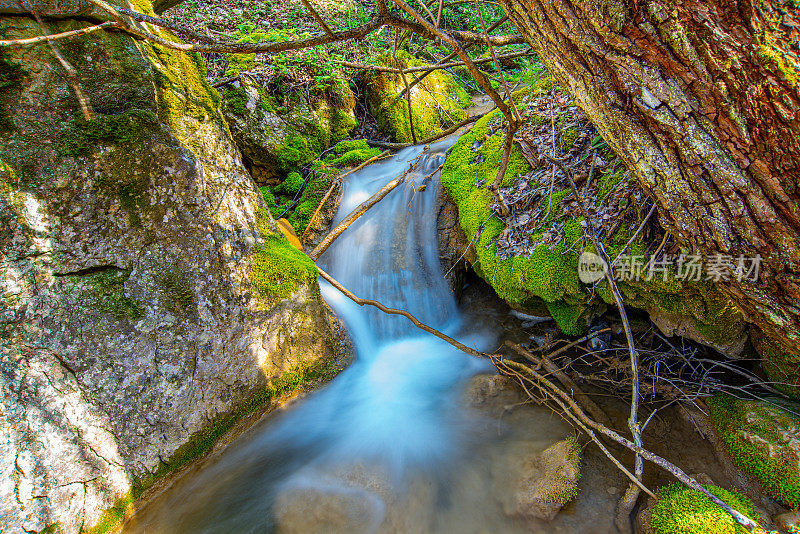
84	136
108	288
755	435
352	152
278	269
681	510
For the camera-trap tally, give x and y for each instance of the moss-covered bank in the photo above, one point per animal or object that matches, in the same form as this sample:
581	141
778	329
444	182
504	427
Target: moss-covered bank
545	278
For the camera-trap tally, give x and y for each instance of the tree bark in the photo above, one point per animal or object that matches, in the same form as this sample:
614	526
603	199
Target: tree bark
700	99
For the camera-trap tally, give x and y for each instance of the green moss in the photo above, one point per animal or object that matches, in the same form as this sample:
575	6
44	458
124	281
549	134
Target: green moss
202	441
292	183
318	184
681	510
108	289
297	150
550	272
437	102
82	135
778	475
11	79
235	100
278	269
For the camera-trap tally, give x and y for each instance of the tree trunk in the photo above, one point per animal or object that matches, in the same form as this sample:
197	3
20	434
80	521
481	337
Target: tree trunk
700	99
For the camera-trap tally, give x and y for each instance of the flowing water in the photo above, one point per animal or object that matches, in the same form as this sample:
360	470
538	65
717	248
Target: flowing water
389	445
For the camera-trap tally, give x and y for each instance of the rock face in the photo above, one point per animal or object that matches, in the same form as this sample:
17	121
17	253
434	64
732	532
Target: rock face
129	318
278	139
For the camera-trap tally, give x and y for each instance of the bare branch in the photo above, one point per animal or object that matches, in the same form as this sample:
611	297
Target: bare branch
360	210
317	17
429	68
581	397
443	63
444	133
573	408
394	311
72	76
54	37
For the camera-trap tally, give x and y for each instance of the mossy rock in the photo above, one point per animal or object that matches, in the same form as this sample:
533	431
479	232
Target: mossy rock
764	441
548	276
437	102
681	510
284	138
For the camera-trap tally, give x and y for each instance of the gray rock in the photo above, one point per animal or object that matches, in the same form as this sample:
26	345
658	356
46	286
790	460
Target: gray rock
128	318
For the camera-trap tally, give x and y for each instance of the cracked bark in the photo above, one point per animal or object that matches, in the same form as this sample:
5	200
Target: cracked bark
700	99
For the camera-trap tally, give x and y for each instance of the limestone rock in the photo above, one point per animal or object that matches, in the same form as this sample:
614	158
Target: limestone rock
128	317
547	481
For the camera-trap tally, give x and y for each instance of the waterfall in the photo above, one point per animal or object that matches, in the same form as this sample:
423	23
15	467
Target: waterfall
396	406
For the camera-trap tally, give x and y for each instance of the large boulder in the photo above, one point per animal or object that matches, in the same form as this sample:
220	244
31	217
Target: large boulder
147	297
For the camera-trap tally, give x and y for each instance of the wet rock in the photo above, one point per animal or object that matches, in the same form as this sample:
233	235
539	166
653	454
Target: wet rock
328	507
129	320
788	522
547	481
484	388
354	499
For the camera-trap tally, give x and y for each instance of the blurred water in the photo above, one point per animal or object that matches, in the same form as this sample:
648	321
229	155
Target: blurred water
397	406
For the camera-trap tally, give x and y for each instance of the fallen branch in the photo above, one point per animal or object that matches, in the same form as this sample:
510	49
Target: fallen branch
394	311
628	501
333	186
581	397
360	210
56	36
72	75
573	409
507	366
444	133
430	68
